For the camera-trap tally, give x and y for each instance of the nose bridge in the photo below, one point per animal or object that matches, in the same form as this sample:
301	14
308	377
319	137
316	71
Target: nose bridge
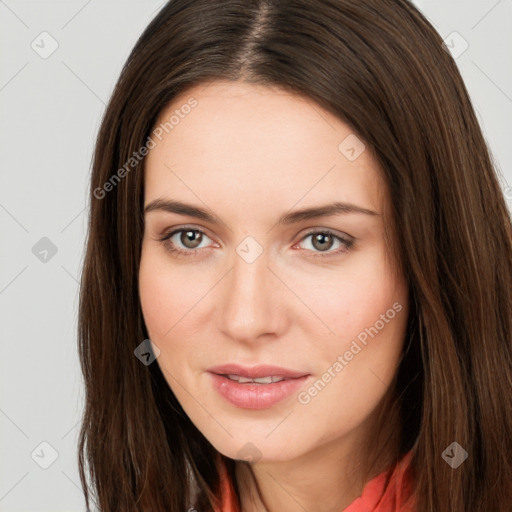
248	303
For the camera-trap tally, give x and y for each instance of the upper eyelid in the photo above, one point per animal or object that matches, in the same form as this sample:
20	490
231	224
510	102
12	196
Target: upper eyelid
172	232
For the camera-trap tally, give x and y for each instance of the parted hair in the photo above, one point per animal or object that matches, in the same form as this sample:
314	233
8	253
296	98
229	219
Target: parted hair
381	67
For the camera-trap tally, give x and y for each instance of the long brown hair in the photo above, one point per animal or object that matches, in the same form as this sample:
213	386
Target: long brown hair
381	68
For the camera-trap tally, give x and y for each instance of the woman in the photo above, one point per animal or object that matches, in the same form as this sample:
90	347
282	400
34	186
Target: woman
297	287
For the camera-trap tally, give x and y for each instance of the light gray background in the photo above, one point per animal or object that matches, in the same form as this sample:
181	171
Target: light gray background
51	109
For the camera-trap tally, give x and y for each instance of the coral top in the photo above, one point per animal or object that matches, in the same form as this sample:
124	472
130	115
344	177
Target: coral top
377	495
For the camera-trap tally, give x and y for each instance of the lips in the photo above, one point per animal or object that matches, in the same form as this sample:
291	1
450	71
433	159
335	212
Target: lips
256	387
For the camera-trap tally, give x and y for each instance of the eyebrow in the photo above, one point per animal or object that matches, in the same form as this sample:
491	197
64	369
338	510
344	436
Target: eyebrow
174	206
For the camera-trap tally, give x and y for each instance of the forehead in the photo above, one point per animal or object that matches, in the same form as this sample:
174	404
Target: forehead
249	142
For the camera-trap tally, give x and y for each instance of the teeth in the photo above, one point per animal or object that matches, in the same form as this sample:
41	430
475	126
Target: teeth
259	380
263	380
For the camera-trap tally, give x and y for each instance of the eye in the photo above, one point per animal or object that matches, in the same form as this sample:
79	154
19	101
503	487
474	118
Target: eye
323	240
184	241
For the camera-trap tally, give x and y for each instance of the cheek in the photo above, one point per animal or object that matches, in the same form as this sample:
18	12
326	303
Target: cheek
167	294
156	297
352	299
360	362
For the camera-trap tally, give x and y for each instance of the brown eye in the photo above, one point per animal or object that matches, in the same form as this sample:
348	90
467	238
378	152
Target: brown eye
322	241
325	244
191	238
185	241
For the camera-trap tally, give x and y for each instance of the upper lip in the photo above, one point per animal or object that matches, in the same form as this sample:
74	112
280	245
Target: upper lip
253	372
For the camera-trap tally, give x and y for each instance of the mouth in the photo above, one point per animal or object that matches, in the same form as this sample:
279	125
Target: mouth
257	387
258	380
256	372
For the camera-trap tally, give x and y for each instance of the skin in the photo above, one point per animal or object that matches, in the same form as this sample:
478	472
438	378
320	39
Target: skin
251	153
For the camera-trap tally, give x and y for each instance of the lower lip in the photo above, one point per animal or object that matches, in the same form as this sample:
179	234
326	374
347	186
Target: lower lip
256	396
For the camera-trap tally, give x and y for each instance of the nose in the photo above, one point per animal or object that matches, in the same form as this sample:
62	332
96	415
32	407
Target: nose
251	302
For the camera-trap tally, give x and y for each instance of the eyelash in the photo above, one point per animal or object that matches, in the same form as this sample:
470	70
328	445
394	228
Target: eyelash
346	244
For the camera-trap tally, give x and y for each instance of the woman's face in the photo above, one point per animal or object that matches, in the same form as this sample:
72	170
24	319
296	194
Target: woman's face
256	283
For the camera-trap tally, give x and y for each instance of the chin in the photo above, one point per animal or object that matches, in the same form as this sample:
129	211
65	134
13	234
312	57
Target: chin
256	448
